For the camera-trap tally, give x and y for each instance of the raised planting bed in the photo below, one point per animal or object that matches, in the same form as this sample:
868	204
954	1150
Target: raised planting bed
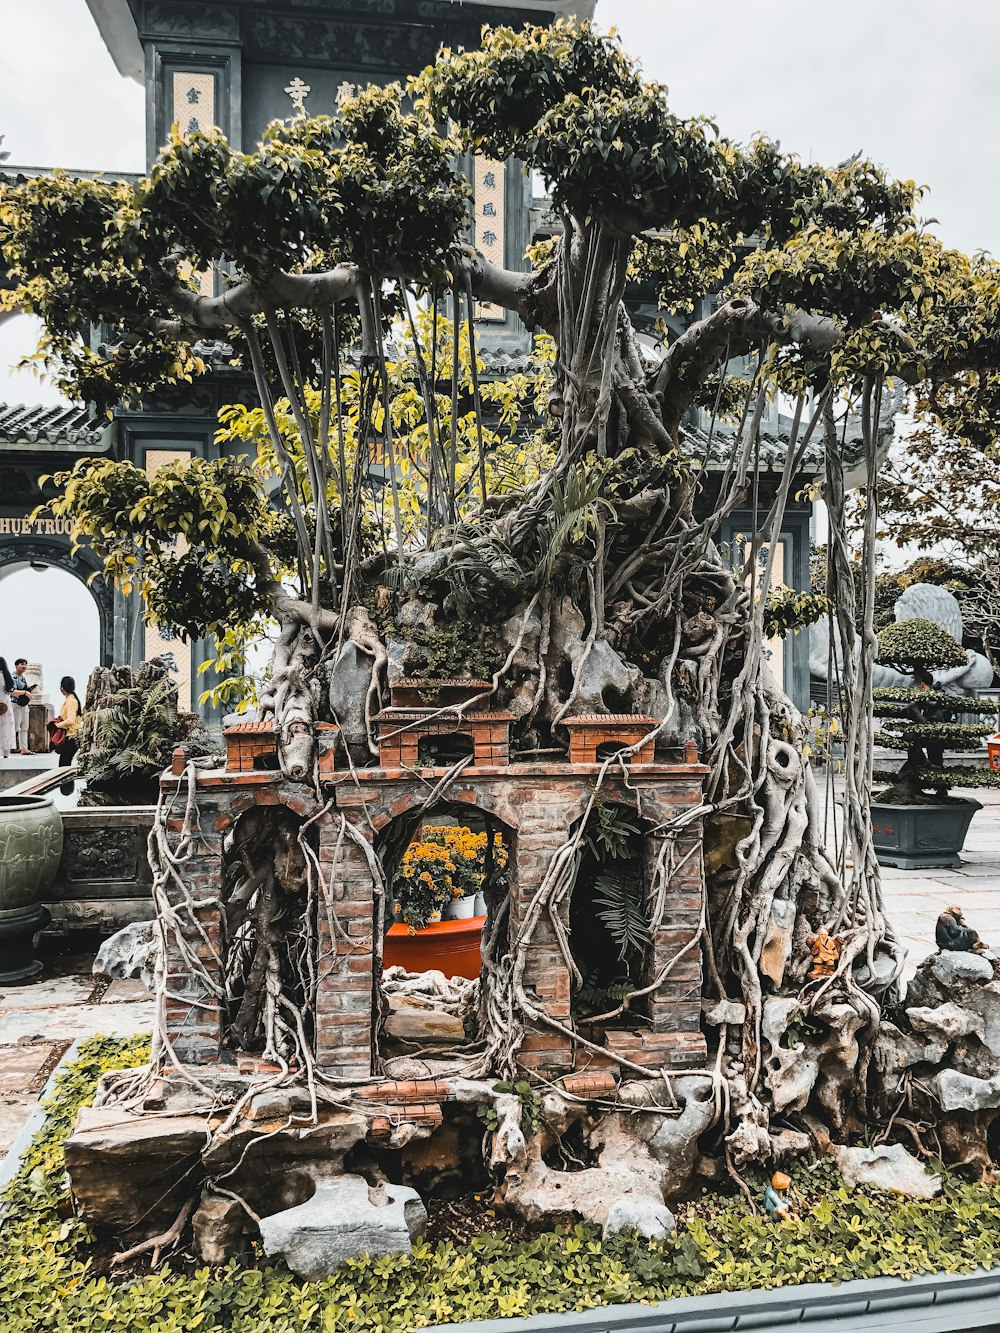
723	1268
451	947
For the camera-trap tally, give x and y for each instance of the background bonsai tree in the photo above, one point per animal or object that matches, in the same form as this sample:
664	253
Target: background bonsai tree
600	568
921	721
131	725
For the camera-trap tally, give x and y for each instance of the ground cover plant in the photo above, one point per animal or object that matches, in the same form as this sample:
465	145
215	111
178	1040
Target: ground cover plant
54	1281
597	563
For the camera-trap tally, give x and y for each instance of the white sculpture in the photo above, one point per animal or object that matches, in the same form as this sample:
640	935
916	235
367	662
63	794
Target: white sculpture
929	602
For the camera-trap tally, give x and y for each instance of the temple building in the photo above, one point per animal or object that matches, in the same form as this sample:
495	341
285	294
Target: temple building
239	64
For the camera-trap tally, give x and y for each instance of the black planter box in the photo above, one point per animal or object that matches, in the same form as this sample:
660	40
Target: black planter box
918	837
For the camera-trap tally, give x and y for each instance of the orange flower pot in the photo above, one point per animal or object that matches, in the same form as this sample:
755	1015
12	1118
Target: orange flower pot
451	947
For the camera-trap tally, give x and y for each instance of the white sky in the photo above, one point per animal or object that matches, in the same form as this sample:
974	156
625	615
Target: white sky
911	82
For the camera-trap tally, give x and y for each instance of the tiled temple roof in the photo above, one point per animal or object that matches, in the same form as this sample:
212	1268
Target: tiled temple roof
54	426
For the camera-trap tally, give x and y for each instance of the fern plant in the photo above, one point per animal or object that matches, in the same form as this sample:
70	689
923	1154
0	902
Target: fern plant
129	730
619	898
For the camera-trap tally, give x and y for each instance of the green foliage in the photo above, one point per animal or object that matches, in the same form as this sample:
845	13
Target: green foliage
51	1284
920	721
127	738
916	643
530	1104
198	538
620	900
458	648
788	611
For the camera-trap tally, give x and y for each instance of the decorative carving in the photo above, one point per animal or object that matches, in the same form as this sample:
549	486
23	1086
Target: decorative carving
102	854
344	43
173	20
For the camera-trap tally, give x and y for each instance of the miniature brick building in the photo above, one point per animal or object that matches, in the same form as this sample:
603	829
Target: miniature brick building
536	806
400	732
594	737
251	746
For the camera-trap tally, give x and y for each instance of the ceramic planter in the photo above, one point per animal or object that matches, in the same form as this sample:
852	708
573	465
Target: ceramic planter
916	837
452	947
31	842
460	909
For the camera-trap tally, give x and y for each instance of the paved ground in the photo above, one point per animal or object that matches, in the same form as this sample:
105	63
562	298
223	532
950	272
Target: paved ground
38	1021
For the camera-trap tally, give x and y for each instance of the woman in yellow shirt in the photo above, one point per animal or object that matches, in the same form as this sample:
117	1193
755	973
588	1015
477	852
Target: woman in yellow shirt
68	720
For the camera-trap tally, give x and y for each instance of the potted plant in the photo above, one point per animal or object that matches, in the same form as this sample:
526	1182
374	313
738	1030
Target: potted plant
915	822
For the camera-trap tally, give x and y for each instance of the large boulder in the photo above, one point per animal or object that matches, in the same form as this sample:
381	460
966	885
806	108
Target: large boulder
889	1167
132	951
344	1218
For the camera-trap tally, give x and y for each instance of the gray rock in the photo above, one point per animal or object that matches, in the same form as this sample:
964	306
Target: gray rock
131	952
349	682
725	1011
962	1092
949	968
947	1022
344	1218
218	1225
653	1220
889	1167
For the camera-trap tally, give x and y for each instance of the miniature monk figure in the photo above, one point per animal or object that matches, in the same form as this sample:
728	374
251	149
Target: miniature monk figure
825	950
776	1199
953	933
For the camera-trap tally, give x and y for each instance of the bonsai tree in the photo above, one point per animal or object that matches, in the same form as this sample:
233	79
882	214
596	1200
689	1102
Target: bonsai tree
131	724
920	721
598	560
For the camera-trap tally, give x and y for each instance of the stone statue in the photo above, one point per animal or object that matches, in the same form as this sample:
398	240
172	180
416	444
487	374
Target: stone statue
929	602
952	932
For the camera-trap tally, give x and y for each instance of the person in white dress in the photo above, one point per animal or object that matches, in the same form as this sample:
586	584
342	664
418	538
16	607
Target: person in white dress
6	710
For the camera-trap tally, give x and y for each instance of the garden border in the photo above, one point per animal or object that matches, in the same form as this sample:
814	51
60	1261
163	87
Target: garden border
927	1303
32	1123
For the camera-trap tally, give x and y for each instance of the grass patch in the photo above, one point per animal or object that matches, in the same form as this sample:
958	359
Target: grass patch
49	1279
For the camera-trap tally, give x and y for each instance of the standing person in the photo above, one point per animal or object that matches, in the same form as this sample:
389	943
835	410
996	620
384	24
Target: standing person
6	710
68	722
21	694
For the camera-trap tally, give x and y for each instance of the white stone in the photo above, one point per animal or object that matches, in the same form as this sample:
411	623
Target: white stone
130	952
344	1218
947	1021
949	967
889	1167
653	1220
962	1092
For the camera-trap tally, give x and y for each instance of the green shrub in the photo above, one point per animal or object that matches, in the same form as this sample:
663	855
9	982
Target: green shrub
915	644
921	721
50	1284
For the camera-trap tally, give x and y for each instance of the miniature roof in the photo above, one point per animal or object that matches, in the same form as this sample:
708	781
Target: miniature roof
256	728
610	719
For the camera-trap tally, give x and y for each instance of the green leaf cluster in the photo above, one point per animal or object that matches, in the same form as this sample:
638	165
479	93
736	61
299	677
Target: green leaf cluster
51	1284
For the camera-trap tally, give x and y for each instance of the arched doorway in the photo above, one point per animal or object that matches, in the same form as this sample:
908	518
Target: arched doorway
49	616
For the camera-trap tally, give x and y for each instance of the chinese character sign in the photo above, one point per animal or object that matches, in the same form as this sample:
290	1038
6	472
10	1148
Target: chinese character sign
488	183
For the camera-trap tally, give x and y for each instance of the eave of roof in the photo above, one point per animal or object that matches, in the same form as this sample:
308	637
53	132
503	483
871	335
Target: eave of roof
55	427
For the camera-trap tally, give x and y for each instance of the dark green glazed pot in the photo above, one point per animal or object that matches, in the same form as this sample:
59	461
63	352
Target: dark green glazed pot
31	840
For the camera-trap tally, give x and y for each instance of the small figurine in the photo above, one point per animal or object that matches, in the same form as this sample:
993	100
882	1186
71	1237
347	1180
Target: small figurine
953	933
825	950
776	1201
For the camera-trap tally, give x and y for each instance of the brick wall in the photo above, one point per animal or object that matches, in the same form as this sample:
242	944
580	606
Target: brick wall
538	804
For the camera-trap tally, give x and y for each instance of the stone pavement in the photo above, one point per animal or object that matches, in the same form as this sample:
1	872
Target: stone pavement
39	1021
